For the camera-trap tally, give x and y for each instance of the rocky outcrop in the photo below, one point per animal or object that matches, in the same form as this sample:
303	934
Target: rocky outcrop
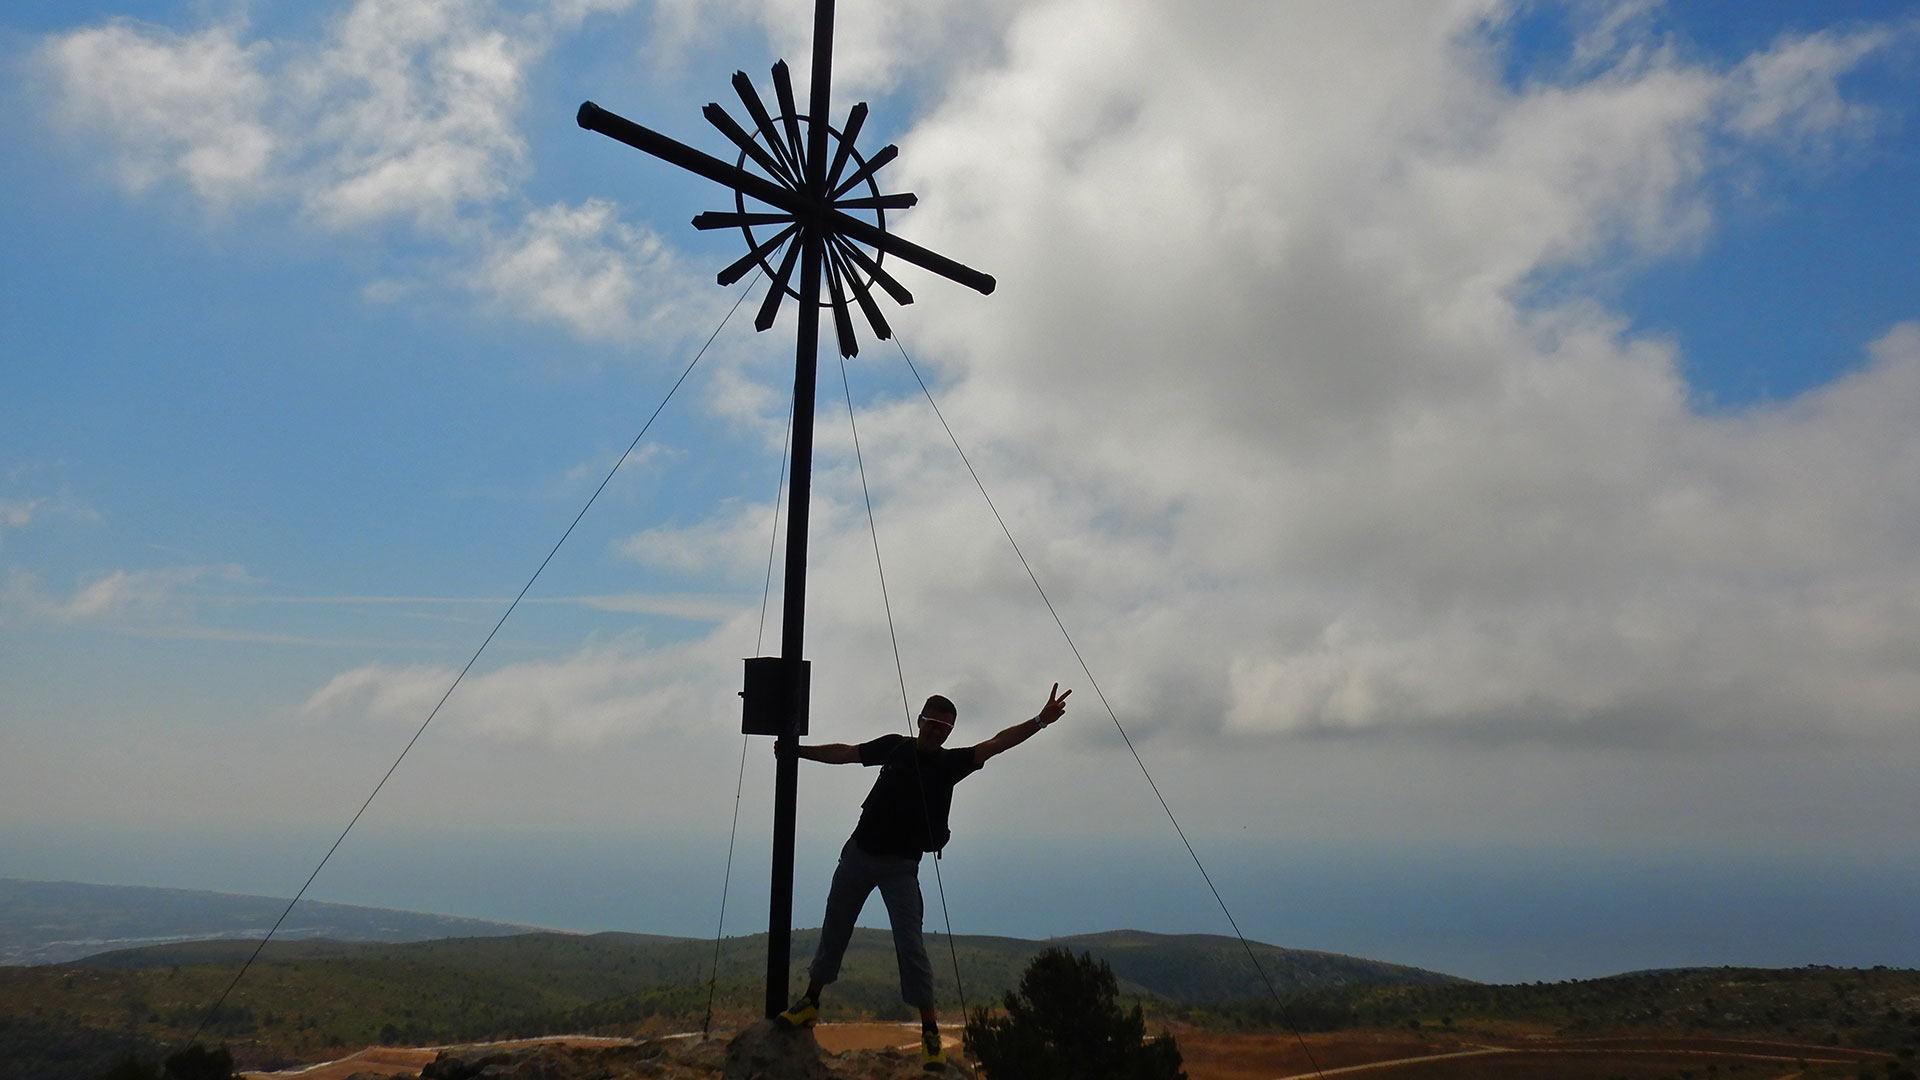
892	1065
766	1051
682	1059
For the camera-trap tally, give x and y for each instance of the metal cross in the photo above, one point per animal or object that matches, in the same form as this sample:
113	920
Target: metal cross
819	218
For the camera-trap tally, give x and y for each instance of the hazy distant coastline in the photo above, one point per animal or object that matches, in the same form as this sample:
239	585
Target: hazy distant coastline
53	922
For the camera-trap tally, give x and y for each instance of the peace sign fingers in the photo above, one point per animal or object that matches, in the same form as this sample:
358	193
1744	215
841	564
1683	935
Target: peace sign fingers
1055	707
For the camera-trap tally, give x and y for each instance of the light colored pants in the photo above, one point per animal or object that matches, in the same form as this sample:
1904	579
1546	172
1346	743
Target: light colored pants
898	879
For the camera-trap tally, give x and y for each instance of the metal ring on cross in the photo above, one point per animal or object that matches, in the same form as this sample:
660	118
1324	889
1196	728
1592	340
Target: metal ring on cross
847	267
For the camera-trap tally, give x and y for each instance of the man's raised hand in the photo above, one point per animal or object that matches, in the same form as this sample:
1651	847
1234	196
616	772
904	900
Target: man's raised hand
1055	707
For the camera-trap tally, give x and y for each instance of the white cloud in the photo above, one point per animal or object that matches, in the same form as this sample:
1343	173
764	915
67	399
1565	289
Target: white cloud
19	513
406	111
1268	388
186	104
1617	29
605	691
876	43
381	692
583	268
1790	90
414	106
733	545
121	596
671	605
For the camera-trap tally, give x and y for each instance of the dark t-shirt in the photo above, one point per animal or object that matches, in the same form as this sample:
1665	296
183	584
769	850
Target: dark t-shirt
894	820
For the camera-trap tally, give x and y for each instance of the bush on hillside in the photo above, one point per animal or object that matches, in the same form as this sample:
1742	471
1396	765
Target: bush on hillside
131	1067
196	1062
1065	1023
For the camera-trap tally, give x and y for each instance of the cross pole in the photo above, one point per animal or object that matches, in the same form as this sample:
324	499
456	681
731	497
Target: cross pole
812	199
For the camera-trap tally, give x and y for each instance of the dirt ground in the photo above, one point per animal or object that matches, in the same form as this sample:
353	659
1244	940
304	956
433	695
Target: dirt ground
1623	1057
389	1060
1572	1064
1398	1055
834	1038
1242	1055
1378	1055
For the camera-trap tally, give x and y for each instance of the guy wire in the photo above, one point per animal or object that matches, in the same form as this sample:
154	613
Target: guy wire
591	499
906	703
1115	716
740	782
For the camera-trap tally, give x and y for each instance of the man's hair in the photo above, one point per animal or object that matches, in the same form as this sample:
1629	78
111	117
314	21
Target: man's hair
939	706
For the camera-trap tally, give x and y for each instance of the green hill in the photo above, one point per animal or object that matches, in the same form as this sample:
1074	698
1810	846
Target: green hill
1876	1009
1207	969
308	1000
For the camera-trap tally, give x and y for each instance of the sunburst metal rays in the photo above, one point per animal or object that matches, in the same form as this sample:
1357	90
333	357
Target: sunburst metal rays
840	207
777	147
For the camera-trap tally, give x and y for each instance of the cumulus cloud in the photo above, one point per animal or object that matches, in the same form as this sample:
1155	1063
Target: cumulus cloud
1790	91
581	267
190	105
876	43
1271	388
413	108
1274	400
731	546
405	111
1267	325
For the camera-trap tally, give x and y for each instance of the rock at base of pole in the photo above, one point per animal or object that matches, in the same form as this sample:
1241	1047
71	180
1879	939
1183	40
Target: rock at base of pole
766	1051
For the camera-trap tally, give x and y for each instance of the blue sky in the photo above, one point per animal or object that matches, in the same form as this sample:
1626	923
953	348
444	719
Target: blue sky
1458	432
1768	308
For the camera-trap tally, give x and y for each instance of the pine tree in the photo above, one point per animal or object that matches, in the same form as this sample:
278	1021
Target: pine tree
1065	1023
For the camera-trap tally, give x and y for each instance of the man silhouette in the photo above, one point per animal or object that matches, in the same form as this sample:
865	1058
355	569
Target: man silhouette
903	816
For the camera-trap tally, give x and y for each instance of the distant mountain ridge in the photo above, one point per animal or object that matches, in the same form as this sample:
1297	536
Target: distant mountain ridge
52	922
1206	969
309	995
308	998
620	973
121	926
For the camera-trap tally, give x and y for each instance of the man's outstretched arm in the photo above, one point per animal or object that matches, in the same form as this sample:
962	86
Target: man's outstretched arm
1056	705
837	753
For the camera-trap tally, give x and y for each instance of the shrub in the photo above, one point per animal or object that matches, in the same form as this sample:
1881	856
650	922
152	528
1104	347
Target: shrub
1065	1023
131	1067
196	1062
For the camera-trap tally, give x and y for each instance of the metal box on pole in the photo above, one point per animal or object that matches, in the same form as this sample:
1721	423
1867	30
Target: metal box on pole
776	692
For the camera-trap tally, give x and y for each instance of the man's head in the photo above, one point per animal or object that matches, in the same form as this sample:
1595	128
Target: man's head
936	720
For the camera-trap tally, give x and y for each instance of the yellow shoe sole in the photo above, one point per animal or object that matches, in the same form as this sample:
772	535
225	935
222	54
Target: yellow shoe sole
801	1015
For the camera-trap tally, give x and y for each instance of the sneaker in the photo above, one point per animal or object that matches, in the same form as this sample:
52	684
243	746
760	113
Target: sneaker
804	1013
933	1056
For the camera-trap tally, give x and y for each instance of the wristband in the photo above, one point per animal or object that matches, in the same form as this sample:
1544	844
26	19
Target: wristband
1039	723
